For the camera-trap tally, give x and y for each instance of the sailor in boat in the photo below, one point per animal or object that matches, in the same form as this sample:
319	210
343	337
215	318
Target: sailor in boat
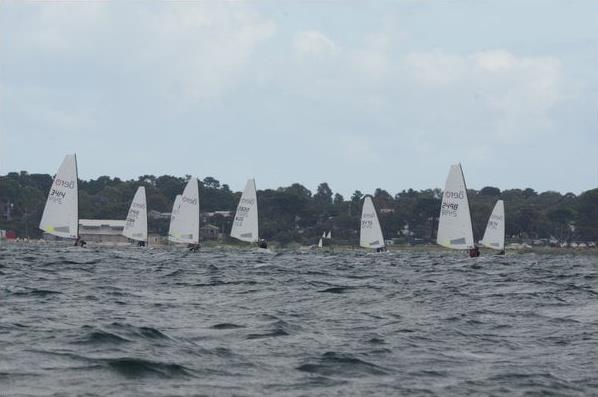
194	247
141	243
262	243
501	252
79	241
381	249
474	252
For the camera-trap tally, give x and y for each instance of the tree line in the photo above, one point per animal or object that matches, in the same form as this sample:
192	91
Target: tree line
296	214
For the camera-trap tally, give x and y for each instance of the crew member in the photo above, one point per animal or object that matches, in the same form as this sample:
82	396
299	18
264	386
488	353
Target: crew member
474	252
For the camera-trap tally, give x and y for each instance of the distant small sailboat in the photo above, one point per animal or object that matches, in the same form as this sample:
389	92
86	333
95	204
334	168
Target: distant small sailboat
494	236
371	232
61	213
245	224
321	241
184	227
173	215
454	225
325	239
136	223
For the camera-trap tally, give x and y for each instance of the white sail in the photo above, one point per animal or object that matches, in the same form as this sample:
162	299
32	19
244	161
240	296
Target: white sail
61	213
454	225
136	224
245	224
329	235
494	236
173	215
184	228
320	244
371	232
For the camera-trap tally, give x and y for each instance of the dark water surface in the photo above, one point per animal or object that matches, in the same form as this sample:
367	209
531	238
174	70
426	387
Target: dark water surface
152	322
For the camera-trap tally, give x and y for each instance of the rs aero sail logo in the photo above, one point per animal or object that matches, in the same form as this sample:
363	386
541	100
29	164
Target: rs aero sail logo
455	195
62	183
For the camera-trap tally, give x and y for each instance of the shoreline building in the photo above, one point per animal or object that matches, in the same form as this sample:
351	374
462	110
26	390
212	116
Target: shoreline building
99	231
102	230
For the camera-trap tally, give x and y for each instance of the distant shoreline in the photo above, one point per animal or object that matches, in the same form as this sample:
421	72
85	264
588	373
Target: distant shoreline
339	248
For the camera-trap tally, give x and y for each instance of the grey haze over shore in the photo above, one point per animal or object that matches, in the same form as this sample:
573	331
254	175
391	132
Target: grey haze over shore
358	95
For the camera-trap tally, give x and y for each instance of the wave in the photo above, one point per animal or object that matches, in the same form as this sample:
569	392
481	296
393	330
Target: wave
141	368
342	364
376	341
37	292
101	337
337	290
218	283
131	331
175	273
226	326
273	334
71	262
212	268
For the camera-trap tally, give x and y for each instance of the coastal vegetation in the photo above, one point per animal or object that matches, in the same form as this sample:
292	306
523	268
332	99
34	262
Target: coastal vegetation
296	214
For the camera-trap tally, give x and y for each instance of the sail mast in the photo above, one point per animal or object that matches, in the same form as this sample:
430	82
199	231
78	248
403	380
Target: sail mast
77	181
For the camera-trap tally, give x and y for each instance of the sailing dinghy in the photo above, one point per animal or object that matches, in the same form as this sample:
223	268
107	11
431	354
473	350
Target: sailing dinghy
184	226
245	225
454	225
494	236
61	213
325	240
136	223
371	233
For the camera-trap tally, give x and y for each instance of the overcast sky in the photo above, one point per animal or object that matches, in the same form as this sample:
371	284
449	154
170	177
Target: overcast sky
358	94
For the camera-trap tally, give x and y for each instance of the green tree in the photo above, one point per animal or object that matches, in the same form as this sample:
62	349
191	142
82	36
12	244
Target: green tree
587	216
323	194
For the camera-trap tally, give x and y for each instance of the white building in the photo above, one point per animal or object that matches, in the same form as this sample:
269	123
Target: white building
102	230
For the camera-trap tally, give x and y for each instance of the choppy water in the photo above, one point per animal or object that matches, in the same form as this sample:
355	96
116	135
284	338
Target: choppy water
152	322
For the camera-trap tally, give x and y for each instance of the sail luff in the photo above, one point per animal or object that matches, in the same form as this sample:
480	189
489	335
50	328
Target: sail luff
77	195
173	215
